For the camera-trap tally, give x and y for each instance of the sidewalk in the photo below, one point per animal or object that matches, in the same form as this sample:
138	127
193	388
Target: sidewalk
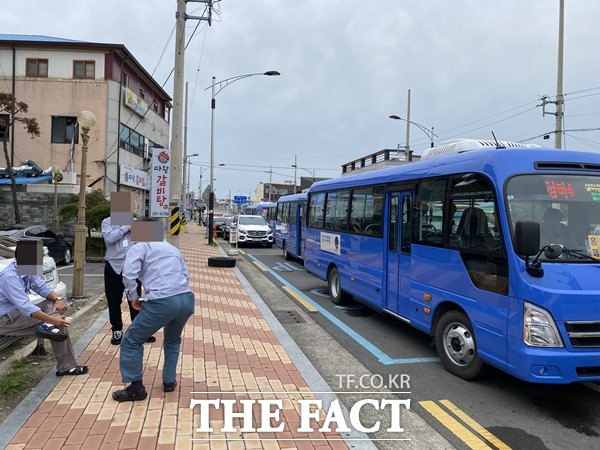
232	343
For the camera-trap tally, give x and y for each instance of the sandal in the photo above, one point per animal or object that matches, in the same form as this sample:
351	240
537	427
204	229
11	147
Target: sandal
50	332
77	370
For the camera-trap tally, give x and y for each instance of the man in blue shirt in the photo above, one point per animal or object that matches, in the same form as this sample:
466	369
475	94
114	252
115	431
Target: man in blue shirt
118	241
168	302
20	317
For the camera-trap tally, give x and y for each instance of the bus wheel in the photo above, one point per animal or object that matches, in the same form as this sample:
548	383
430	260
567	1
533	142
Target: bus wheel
338	296
456	346
286	254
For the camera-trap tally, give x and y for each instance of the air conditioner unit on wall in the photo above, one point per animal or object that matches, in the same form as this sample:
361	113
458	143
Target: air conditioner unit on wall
69	178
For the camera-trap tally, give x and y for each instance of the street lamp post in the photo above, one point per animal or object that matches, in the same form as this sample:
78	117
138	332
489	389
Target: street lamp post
186	181
86	121
57	178
430	134
218	86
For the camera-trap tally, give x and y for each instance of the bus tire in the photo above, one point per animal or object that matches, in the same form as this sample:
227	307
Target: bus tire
456	345
286	254
221	261
338	296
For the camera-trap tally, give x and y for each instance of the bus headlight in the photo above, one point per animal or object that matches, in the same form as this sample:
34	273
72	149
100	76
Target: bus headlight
539	329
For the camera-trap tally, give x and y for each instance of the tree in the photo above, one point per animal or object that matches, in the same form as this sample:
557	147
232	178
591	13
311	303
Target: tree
12	109
98	208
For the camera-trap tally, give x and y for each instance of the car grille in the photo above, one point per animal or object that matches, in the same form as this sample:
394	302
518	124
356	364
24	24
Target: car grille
583	334
257	233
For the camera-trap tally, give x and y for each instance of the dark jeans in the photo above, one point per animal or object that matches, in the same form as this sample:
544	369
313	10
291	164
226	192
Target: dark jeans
114	289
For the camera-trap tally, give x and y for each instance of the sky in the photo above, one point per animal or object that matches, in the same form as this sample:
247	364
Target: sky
473	67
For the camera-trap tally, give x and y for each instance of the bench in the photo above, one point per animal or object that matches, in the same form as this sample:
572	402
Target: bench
6	341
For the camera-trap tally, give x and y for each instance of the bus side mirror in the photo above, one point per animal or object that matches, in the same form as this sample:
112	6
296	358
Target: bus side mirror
527	237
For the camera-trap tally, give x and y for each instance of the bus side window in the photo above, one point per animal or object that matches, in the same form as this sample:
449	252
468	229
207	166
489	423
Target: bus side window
407	223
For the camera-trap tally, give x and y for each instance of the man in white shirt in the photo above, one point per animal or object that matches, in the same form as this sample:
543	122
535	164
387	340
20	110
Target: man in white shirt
168	303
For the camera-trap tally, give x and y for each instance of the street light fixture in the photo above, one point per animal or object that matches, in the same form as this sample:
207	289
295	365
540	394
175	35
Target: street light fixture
86	121
186	181
218	86
430	134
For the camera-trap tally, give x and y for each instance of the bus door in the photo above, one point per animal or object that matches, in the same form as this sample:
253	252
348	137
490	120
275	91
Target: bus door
398	252
299	224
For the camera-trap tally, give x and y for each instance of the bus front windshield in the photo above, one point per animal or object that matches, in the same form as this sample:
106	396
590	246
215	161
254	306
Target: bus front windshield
567	208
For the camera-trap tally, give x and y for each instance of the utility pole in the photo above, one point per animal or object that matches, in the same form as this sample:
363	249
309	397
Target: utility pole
560	99
295	170
407	148
185	157
559	79
176	151
270	181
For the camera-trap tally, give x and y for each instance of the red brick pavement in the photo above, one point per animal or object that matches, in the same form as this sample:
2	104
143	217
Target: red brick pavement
227	346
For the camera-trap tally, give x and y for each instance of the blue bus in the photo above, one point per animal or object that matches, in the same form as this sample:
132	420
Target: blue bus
268	211
492	248
289	224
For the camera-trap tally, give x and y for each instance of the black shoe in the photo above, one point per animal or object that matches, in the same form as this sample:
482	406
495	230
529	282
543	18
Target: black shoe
151	339
50	332
130	394
169	387
77	370
116	337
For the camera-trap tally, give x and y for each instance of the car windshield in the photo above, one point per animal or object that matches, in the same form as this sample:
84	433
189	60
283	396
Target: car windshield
220	219
567	207
252	220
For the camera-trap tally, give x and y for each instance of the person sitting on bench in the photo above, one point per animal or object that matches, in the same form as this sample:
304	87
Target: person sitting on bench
20	317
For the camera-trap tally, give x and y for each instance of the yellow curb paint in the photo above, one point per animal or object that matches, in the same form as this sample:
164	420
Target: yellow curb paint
474	425
261	266
454	426
300	300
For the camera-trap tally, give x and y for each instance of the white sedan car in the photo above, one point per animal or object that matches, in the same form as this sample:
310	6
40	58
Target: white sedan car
50	274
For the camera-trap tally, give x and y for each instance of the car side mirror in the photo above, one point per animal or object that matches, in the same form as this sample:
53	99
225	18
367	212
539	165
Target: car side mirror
60	236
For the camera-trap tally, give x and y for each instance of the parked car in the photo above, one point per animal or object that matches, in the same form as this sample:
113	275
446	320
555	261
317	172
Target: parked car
49	273
253	229
218	223
59	248
226	228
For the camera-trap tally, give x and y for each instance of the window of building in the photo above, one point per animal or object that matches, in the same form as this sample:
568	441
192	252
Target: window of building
36	67
4	129
131	141
64	130
125	79
84	69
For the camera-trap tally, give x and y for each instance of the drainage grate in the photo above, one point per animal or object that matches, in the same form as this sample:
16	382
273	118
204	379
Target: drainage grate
289	316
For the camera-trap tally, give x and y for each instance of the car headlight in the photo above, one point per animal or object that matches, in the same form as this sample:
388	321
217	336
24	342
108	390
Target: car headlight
242	230
539	329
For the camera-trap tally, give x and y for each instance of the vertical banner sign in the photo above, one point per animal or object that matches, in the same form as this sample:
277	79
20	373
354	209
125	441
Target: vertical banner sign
159	188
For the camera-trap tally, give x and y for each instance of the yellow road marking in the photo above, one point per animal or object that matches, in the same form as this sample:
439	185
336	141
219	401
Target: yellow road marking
260	266
242	252
454	426
300	300
474	425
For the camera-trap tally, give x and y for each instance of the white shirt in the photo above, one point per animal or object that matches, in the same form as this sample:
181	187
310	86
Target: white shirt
159	266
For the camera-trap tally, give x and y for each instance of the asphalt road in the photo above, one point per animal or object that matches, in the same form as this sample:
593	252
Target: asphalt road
498	410
93	278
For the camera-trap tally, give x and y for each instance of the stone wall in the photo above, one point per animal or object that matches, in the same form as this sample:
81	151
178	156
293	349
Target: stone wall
35	208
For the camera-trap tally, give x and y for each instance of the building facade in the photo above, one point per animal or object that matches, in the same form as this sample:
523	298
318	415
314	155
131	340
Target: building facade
58	78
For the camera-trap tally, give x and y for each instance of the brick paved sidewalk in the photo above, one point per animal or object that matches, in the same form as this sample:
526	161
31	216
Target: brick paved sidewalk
227	346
